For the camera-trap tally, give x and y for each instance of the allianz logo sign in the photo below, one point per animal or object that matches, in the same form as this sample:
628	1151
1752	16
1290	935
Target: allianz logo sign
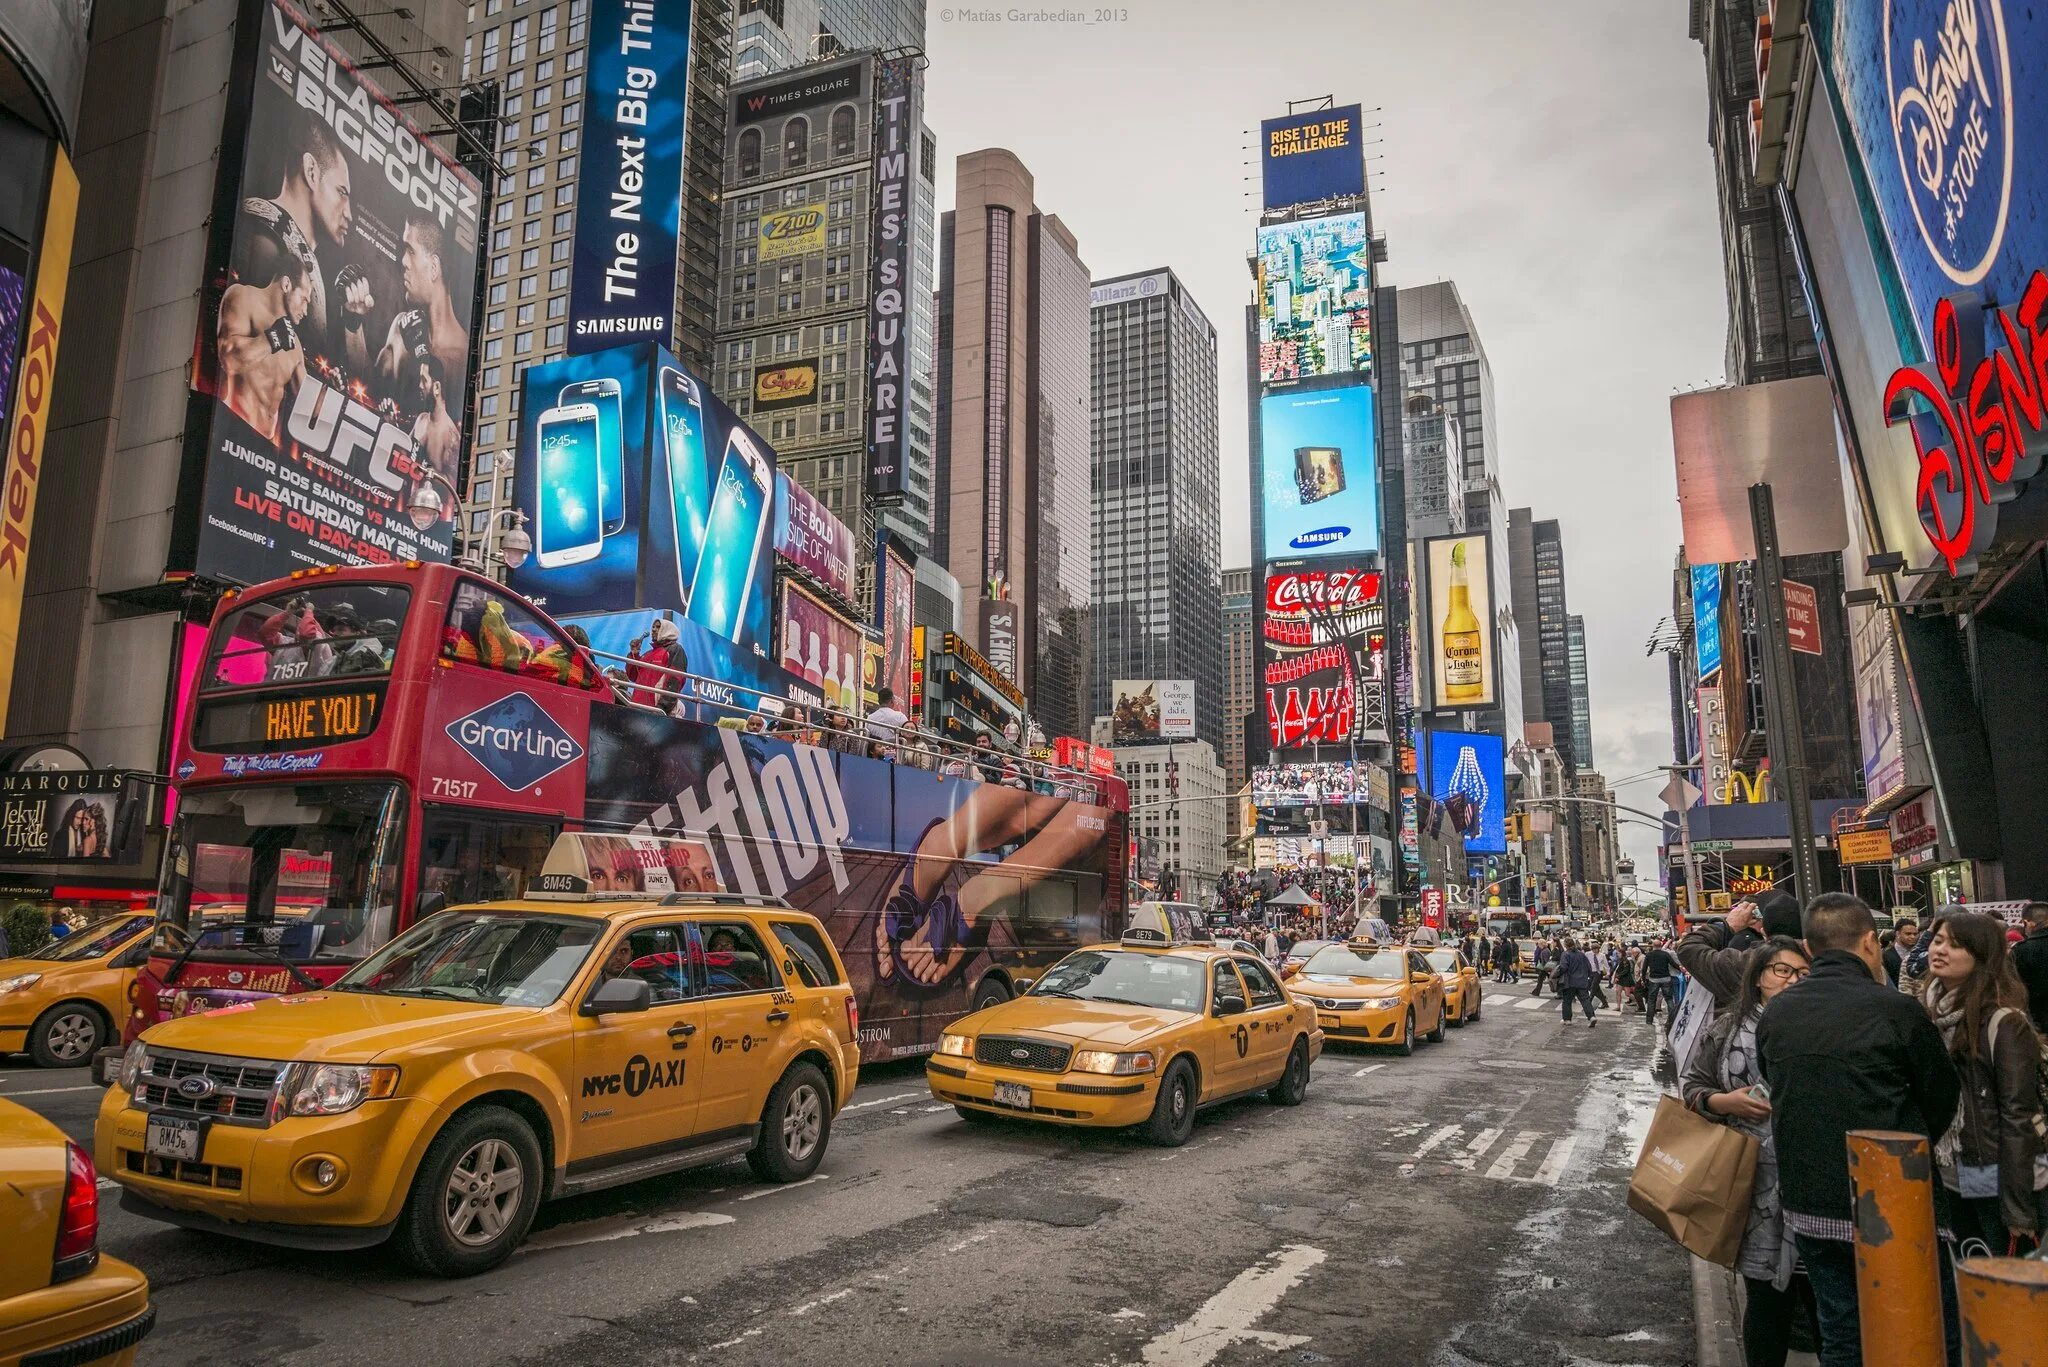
515	741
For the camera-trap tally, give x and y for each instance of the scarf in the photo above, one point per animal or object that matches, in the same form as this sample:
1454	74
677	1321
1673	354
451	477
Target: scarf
1945	1008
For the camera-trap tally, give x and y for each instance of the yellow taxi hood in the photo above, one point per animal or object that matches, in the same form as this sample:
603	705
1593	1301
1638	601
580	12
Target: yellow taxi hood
333	1027
1106	1024
1335	984
31	1195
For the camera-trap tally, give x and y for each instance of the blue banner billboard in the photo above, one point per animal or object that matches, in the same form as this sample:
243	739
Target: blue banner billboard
1944	104
1319	473
641	489
1706	619
1466	789
629	184
1307	157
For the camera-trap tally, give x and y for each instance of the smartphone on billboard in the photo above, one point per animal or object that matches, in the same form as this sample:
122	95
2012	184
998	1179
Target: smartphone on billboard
603	394
689	471
741	504
1319	470
568	487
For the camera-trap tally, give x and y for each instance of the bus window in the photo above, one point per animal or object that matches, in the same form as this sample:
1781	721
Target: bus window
499	632
477	857
308	633
1049	907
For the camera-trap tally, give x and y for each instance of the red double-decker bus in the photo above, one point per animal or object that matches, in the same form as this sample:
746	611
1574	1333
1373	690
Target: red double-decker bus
365	746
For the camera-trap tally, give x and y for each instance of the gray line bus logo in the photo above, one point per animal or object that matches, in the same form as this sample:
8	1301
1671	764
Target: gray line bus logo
516	742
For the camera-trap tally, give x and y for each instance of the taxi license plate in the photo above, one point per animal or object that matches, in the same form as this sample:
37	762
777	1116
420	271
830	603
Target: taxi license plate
169	1136
1013	1094
1325	1018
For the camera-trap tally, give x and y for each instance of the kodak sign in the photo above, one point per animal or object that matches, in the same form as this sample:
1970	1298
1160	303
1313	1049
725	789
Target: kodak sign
28	425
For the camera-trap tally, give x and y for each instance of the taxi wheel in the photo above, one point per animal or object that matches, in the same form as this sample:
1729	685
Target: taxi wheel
977	1117
1458	1021
1478	1003
1407	1044
990	993
66	1035
796	1124
1293	1084
1173	1114
475	1195
1436	1036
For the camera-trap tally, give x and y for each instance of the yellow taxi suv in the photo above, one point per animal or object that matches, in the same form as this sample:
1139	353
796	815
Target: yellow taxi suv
60	1300
1143	1032
1460	979
1369	993
64	1001
489	1057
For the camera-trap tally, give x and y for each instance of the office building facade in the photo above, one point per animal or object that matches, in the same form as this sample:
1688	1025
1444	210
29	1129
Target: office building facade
1240	669
1177	814
1012	512
1582	695
1157	605
776	35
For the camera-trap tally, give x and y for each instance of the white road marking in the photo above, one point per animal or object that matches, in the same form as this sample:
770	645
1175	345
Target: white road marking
880	1101
1533	1004
1128	1314
777	1191
1553	1165
971	1240
1447	1132
1227	1317
1481	1142
1504	1166
942	1106
808	1306
741	1339
50	1091
1369	1068
630	1227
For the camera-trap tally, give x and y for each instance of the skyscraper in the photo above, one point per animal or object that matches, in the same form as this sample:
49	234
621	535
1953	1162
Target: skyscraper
1012	493
775	35
1551	642
1240	700
800	271
1157	604
537	54
1582	697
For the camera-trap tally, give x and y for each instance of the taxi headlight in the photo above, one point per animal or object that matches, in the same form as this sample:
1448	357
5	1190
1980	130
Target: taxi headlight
958	1046
334	1088
1105	1061
17	983
1450	979
1382	1003
131	1067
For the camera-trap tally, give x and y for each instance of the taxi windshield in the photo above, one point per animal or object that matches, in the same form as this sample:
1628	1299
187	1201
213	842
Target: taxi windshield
1341	961
101	937
1442	960
1126	978
494	958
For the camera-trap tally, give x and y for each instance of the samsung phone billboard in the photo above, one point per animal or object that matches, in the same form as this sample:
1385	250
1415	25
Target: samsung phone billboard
1319	473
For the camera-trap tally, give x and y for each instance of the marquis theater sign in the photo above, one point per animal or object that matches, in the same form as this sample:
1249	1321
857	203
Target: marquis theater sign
1325	658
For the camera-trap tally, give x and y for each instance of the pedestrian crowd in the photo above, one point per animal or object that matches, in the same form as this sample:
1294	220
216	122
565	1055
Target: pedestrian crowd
1240	891
1817	1027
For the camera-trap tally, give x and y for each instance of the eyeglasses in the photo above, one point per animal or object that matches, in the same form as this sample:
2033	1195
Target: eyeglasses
1786	971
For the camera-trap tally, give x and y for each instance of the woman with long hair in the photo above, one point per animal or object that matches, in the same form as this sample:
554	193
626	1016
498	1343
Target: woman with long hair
1990	1159
1724	1083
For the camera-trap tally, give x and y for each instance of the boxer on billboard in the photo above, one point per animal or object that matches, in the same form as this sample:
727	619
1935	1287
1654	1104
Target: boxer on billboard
313	204
430	327
261	354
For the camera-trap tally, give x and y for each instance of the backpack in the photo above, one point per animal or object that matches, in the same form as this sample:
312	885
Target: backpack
2040	1067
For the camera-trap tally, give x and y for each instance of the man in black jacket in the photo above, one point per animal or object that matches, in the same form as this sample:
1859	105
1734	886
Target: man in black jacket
2030	961
1841	1051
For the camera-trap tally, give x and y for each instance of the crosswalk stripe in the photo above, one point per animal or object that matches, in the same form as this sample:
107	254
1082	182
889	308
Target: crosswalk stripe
1439	1137
1553	1165
1532	1004
1504	1166
1479	1145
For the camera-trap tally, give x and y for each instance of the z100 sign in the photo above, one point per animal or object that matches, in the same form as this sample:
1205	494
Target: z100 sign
1325	658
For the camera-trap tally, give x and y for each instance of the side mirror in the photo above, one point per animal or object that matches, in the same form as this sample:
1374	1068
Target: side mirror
620	996
1021	985
429	904
1231	1005
1421	977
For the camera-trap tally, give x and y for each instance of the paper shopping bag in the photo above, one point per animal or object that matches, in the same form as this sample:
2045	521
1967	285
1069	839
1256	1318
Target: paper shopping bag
1693	1181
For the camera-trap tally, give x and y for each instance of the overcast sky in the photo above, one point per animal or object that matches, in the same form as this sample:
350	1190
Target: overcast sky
1549	158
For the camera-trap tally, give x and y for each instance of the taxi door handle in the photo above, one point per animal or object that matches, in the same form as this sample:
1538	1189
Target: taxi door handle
682	1030
777	1016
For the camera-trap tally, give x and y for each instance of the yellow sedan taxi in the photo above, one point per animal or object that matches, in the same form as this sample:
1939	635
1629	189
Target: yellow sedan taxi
1142	1032
488	1058
60	1300
61	1003
1460	979
1370	993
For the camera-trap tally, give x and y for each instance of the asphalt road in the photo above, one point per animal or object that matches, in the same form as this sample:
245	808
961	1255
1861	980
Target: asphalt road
1463	1206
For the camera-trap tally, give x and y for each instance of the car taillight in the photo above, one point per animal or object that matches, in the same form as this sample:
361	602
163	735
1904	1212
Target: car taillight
78	1231
852	1018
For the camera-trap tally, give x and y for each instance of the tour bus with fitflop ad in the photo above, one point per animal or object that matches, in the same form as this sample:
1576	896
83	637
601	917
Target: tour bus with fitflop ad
363	747
494	1056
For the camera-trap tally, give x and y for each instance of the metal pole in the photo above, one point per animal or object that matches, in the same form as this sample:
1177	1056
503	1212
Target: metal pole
1781	695
1898	1276
2004	1304
1692	868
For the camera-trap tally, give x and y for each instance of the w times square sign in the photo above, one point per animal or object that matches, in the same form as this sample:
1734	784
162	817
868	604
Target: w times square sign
1325	658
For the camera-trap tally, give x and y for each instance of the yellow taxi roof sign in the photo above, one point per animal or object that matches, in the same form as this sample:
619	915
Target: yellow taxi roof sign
1165	923
585	866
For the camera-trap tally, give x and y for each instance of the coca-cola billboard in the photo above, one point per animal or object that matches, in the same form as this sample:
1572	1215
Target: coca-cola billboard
1325	658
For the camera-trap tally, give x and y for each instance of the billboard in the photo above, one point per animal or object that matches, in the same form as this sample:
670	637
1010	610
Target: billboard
810	537
1465	789
1151	709
333	350
1458	633
1325	658
629	180
895	594
1315	298
1706	619
1319	476
897	84
781	385
1310	785
999	634
82	815
1305	157
791	232
821	648
641	489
